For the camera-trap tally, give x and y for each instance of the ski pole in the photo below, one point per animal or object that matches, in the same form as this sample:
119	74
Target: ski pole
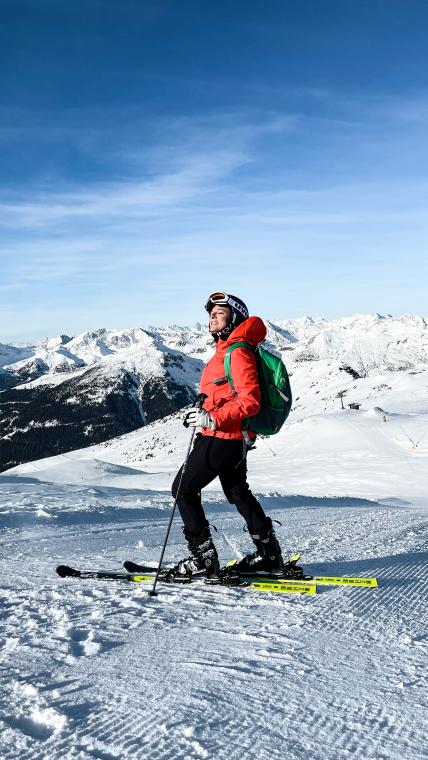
198	403
270	449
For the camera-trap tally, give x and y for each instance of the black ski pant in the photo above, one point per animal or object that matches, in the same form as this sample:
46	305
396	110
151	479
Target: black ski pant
209	458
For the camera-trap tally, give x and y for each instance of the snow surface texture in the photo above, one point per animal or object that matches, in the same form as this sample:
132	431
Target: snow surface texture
98	670
101	670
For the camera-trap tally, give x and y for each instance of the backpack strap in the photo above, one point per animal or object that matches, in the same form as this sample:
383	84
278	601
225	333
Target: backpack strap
227	360
247	442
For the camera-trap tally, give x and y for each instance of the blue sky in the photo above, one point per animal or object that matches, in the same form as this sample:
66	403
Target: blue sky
154	151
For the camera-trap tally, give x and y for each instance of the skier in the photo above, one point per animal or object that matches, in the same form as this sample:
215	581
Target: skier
221	446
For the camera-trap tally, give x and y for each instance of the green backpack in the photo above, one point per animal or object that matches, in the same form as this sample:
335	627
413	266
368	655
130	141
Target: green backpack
274	386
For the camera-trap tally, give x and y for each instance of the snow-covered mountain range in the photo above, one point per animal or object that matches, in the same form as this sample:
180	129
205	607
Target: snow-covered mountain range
64	393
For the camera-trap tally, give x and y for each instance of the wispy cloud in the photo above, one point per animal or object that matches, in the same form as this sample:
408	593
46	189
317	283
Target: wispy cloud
200	164
134	198
203	157
198	200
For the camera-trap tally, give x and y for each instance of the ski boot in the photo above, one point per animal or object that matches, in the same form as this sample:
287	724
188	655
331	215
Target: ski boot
267	558
203	561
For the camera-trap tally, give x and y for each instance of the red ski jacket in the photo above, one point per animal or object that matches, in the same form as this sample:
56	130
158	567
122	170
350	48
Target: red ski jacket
229	409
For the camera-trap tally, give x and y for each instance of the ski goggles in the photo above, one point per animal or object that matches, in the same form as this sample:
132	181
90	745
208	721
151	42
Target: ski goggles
217	299
223	299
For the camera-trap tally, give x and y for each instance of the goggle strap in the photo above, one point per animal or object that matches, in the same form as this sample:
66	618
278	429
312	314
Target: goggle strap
238	307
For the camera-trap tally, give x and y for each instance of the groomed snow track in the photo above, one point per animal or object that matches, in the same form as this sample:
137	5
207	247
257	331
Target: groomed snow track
97	670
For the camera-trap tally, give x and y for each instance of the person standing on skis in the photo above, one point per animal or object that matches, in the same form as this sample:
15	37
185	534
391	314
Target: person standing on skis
221	447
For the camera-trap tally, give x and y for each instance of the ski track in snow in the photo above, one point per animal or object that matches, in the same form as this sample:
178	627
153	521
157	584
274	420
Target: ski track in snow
90	669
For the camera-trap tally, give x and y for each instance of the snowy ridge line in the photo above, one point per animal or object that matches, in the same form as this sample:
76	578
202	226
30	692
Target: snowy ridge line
64	353
363	342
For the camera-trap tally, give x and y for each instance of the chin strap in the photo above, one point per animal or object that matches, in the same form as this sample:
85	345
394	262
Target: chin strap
224	334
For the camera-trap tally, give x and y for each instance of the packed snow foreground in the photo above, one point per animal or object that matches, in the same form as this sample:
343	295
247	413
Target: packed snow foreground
93	669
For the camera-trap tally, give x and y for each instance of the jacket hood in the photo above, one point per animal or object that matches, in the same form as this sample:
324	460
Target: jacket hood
252	330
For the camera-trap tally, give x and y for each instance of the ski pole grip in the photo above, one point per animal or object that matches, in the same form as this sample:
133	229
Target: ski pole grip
199	402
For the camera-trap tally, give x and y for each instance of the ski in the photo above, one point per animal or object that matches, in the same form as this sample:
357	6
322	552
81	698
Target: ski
319	580
134	567
65	571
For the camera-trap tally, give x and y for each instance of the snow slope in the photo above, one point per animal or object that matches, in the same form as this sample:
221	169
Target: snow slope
98	670
368	453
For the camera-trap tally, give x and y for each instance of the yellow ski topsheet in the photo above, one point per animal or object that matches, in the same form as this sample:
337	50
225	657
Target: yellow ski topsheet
287	588
321	580
302	586
327	580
